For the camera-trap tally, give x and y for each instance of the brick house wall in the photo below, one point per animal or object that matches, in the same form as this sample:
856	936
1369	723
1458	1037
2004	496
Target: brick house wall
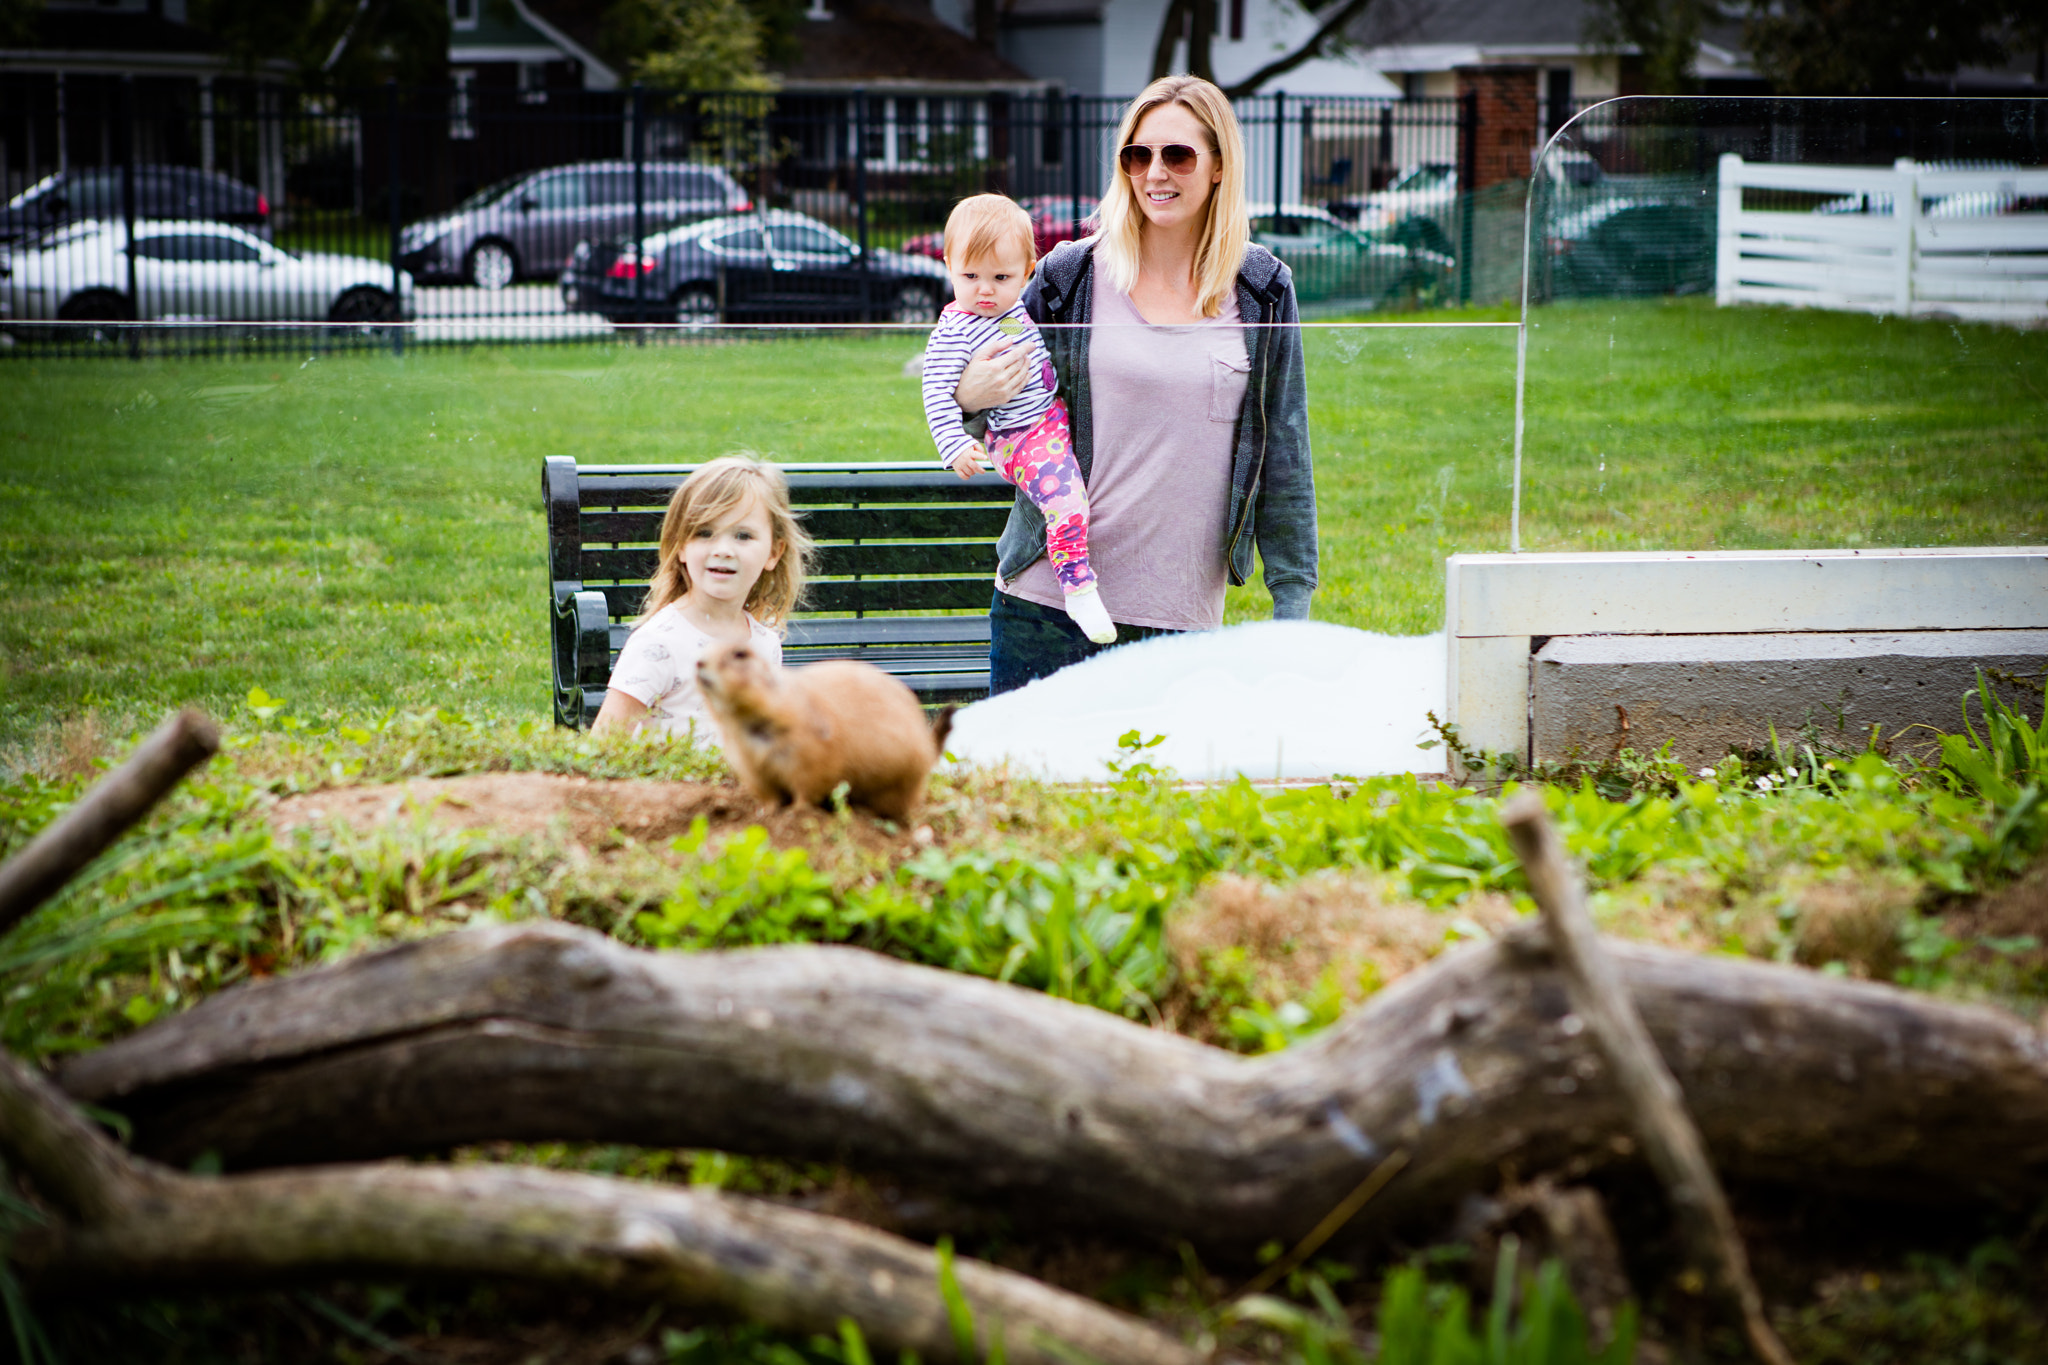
1507	121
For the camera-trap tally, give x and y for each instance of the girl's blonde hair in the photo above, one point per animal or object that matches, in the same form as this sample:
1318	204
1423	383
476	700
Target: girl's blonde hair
1226	227
718	489
982	224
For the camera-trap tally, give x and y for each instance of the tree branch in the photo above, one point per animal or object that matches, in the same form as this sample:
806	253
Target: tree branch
104	814
1656	1106
136	1223
1307	52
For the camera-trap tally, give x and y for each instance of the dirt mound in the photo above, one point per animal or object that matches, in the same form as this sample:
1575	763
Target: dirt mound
590	811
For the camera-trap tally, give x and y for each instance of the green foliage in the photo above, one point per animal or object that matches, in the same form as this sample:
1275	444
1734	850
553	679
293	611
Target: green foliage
693	45
1530	1320
1990	1308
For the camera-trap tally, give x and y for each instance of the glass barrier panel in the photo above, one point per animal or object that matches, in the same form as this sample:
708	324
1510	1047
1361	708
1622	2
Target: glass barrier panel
1788	323
351	515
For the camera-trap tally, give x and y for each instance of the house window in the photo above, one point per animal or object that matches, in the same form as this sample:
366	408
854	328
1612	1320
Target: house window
1414	84
1236	21
462	13
533	83
460	104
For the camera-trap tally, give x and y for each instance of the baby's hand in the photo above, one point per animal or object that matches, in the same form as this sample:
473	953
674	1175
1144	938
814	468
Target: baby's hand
968	462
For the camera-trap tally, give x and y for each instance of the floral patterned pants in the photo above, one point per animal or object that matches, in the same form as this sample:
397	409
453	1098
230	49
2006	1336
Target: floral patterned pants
1040	460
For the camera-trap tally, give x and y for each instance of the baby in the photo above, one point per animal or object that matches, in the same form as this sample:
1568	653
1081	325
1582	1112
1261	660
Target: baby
990	253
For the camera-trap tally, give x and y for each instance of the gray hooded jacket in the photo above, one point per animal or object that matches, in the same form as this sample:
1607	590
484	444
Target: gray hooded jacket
1272	484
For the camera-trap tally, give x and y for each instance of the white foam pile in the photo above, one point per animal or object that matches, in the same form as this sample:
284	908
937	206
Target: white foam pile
1287	699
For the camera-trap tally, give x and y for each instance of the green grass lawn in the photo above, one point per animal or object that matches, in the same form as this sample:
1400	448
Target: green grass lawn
359	531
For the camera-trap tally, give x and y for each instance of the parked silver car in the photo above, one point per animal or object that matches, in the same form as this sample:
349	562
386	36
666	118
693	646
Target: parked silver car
525	227
189	270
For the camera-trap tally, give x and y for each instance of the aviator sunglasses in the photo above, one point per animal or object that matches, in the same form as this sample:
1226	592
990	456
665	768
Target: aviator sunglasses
1179	158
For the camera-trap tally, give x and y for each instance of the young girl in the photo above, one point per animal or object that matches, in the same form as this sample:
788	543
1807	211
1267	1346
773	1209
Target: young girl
990	253
732	567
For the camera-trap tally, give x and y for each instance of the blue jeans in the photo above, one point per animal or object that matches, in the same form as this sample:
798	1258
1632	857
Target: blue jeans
1028	642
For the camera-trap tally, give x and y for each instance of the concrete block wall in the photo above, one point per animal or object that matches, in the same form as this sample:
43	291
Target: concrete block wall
1711	648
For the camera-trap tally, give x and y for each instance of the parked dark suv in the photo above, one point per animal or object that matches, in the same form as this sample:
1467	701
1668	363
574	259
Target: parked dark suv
525	227
161	192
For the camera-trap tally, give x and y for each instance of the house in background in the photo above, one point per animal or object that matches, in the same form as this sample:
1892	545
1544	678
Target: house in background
62	90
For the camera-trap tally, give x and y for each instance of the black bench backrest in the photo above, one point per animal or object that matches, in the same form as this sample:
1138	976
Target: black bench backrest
893	539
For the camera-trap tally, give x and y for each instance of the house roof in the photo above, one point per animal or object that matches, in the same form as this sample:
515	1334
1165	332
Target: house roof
1476	23
76	39
570	27
893	42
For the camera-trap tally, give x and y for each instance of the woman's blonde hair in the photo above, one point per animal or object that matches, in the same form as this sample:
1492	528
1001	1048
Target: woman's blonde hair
714	492
1226	225
982	224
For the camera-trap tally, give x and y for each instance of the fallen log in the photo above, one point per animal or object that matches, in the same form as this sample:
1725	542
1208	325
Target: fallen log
131	1223
547	1032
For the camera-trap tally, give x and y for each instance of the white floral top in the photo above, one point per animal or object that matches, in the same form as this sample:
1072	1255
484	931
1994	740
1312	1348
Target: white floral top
658	669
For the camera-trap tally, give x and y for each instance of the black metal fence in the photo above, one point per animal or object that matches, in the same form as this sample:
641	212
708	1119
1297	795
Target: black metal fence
486	214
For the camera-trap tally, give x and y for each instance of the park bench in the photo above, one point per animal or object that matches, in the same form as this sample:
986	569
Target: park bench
897	543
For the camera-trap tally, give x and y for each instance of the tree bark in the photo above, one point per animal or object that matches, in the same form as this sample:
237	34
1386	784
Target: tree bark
546	1032
129	1222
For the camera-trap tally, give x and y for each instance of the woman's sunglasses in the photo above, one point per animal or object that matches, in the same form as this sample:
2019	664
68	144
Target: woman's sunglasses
1179	158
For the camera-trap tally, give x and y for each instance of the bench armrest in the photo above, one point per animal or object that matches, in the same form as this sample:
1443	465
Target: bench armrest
583	663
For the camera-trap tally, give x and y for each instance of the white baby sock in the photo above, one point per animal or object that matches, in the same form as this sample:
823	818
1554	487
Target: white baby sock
1087	610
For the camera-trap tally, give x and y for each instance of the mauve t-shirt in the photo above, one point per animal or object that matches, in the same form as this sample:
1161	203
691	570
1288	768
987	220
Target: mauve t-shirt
1166	402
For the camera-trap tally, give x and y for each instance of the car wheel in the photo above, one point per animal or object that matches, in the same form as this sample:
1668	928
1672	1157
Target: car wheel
915	304
695	306
365	303
492	265
94	305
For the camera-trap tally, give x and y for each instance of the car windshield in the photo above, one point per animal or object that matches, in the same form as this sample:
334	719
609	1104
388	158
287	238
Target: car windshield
491	194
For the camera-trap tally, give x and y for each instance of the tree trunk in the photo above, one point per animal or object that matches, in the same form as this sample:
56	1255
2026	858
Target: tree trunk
546	1032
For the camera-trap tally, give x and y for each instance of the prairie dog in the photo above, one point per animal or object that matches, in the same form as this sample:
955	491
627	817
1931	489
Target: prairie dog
796	734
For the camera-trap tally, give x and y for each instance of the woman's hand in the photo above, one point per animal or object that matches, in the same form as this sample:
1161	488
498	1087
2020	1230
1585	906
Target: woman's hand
995	376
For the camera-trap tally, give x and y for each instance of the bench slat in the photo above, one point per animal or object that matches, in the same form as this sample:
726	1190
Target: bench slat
832	489
879	632
893	560
889	595
934	522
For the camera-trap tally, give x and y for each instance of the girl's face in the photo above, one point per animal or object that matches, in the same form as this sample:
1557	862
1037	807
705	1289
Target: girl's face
726	558
989	286
1168	200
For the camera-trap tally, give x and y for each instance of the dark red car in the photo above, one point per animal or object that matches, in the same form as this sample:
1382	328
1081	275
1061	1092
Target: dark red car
1052	220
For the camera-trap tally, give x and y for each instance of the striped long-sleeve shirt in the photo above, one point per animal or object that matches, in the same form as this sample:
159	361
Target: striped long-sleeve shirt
953	343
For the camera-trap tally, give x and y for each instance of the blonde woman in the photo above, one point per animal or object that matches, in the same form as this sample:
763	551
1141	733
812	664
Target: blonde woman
1189	412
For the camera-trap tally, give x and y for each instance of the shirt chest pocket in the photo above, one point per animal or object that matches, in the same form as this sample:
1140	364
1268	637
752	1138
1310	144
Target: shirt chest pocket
1227	378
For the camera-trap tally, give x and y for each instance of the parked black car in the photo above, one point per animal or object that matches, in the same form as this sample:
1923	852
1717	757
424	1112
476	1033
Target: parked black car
775	266
1633	245
525	227
161	192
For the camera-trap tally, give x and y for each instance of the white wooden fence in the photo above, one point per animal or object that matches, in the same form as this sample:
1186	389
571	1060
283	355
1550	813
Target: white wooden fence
1916	241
